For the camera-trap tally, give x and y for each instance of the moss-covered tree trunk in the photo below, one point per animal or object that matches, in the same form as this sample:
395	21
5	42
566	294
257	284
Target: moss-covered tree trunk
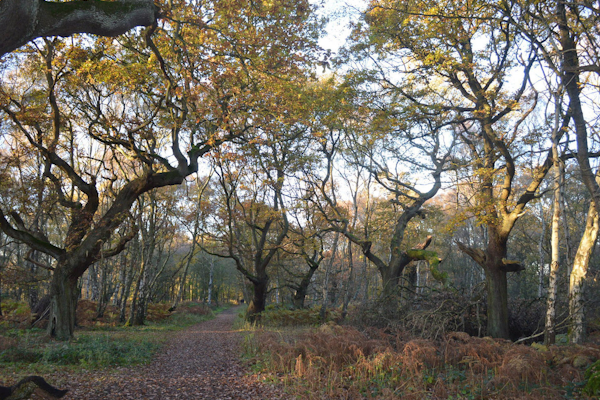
299	297
390	280
497	286
301	290
391	273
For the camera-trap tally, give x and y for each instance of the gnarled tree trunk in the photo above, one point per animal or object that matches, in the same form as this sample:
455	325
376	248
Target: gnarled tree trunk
64	293
497	302
259	298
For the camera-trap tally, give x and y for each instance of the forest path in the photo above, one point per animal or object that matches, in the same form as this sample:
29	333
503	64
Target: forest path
201	362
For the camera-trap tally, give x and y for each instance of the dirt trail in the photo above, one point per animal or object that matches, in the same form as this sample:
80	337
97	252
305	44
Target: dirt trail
201	362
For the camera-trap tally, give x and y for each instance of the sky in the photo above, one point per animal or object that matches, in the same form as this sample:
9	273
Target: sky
340	13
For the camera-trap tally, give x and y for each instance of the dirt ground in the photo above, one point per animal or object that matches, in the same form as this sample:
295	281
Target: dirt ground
201	362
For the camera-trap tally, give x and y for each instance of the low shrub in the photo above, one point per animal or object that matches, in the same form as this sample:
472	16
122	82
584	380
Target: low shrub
195	308
101	351
20	354
182	320
592	376
427	315
433	314
189	313
526	317
158	312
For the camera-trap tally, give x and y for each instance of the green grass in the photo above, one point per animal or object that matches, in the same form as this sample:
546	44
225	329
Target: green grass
240	322
89	350
93	348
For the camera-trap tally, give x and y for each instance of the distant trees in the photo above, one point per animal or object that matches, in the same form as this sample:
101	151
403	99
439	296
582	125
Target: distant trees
308	233
255	203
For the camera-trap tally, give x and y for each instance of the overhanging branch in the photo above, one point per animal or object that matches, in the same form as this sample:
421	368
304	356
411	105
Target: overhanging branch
24	20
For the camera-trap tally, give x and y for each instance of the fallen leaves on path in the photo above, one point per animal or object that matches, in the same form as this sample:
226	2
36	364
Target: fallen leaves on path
201	362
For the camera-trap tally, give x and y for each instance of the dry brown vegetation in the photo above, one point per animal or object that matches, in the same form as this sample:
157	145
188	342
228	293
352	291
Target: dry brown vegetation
336	362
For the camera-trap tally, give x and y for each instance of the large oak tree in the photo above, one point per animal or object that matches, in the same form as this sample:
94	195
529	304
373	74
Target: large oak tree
148	107
457	60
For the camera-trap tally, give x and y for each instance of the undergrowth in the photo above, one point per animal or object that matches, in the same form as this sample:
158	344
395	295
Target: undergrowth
280	316
95	346
592	375
336	362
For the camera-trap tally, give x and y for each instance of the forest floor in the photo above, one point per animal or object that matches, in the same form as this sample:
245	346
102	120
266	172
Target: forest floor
306	360
200	362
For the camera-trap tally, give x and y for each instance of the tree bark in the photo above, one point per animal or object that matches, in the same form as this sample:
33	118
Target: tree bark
259	299
349	287
94	287
392	273
301	290
550	331
24	20
323	312
63	305
299	297
106	288
578	274
497	303
541	253
571	81
496	266
211	273
128	275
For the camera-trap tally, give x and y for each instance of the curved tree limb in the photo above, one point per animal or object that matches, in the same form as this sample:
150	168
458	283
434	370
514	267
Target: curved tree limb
29	238
24	20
